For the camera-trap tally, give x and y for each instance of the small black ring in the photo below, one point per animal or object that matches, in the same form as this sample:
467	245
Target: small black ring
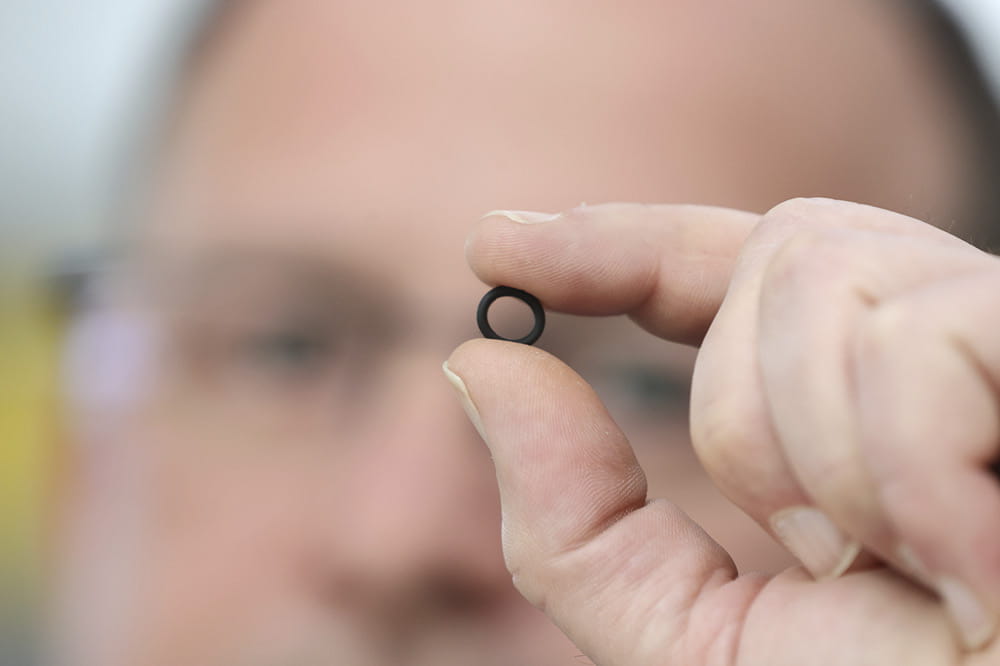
499	292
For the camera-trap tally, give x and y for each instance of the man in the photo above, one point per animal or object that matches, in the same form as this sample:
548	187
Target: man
273	470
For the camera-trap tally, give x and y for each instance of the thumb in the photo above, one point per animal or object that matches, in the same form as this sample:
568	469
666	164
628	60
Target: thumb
629	581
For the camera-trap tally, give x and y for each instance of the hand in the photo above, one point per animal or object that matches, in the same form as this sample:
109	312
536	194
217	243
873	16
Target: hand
845	396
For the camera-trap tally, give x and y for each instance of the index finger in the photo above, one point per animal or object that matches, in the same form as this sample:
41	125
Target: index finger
666	266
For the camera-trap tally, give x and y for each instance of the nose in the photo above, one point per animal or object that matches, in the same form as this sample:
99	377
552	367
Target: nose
418	505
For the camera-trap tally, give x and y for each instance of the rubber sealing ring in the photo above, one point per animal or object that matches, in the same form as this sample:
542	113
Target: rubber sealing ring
499	292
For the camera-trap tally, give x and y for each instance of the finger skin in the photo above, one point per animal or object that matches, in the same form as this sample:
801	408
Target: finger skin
589	261
928	365
916	381
622	577
731	427
815	291
746	421
636	583
667	266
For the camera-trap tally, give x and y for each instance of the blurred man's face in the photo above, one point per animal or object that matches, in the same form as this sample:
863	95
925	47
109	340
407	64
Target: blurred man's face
311	491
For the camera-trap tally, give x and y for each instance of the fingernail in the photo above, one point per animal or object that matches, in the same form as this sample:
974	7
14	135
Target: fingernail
975	624
820	545
524	216
465	399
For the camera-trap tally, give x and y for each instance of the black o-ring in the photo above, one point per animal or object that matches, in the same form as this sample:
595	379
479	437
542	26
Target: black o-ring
499	292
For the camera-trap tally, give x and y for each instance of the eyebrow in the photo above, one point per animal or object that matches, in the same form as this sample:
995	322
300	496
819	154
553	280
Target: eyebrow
225	265
302	280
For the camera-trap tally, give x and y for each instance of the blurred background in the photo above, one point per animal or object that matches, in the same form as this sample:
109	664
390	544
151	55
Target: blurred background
143	141
81	82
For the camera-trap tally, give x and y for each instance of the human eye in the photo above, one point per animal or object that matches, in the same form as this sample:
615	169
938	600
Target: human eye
287	351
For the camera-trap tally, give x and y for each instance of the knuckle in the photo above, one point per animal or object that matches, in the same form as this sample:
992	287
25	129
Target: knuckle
733	443
809	252
800	212
817	261
797	208
884	327
713	430
798	240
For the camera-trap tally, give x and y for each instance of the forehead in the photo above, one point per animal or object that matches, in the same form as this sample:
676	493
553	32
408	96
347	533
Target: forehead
438	109
331	105
377	138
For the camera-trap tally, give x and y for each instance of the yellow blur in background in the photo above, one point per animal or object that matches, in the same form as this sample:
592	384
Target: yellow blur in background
30	324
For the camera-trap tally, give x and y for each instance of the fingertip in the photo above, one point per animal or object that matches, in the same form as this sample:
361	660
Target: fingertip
462	392
466	353
481	358
504	385
667	266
